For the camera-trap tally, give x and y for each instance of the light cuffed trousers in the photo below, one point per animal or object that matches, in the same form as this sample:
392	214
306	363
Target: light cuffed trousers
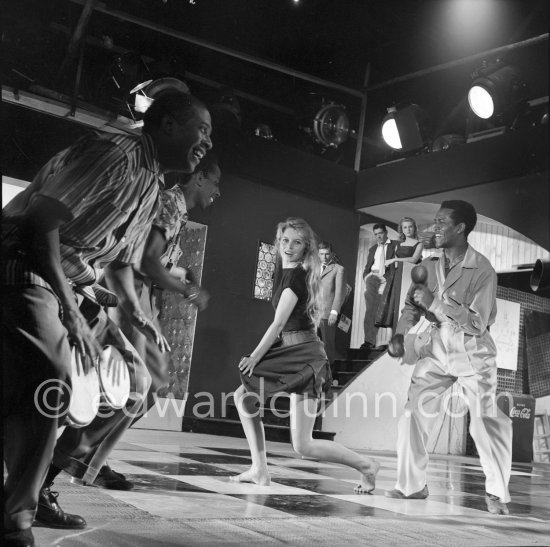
443	361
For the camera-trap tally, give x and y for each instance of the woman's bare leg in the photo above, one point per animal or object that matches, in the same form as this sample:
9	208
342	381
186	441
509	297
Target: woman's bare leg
302	417
254	431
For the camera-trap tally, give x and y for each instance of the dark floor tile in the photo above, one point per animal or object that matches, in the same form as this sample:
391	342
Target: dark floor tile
343	472
183	468
246	452
162	483
121	445
314	506
217	458
478	502
320	486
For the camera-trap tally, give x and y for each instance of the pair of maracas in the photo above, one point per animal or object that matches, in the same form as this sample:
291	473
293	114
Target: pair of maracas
396	346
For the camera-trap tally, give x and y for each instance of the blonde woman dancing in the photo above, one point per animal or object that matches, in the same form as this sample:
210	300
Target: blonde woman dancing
291	359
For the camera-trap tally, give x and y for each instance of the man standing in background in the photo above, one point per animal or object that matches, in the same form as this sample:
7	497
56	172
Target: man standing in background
374	275
333	290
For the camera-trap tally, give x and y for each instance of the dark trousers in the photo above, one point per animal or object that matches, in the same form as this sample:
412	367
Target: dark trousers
36	352
372	301
327	333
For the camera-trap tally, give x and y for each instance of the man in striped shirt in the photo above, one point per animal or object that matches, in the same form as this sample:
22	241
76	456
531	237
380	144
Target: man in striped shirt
91	205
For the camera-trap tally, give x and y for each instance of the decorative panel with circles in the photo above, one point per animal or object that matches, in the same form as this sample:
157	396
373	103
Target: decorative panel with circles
178	316
265	266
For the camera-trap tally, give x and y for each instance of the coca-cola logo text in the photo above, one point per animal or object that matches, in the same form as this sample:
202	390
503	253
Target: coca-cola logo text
524	413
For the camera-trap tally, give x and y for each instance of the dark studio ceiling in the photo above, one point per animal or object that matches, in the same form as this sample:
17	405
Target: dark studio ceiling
332	40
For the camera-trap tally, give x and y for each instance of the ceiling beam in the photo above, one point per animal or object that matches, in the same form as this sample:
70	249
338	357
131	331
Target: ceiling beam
94	41
102	8
460	62
103	121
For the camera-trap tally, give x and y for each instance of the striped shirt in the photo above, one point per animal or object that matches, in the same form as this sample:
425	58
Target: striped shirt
110	186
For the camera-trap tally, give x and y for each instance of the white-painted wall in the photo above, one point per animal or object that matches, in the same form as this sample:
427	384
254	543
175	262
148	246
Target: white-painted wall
365	415
504	247
10	188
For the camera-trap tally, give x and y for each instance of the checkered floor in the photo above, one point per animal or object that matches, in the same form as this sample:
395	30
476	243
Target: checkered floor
183	479
175	479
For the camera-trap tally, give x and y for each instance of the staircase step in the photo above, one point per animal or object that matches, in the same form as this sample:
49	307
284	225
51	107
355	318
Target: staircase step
233	428
345	370
351	365
343	377
359	353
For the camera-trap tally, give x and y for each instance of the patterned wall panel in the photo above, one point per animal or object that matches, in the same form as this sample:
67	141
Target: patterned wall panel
537	339
265	266
517	381
178	317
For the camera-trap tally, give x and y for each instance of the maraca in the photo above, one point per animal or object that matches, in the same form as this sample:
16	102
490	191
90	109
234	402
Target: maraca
396	347
419	275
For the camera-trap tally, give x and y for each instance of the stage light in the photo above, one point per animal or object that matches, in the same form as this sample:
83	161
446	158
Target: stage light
263	131
148	90
325	121
331	125
540	277
481	102
390	133
495	89
406	129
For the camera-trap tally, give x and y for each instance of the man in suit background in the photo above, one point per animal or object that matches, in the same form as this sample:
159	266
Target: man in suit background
333	289
375	276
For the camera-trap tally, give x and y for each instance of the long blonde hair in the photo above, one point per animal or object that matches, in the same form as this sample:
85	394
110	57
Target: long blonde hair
400	228
311	263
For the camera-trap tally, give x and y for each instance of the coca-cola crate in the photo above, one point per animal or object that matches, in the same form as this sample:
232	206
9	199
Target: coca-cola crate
521	409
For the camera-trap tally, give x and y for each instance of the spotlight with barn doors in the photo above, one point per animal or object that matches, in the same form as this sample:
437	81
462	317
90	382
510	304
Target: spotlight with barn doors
495	89
406	129
146	92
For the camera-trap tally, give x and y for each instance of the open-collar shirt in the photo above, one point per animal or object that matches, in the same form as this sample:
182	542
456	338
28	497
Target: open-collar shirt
110	186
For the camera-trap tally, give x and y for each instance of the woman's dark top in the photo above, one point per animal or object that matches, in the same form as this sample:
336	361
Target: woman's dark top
294	279
385	314
406	251
291	366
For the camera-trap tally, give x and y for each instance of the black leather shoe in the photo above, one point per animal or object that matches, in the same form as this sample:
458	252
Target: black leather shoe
51	515
107	478
18	538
